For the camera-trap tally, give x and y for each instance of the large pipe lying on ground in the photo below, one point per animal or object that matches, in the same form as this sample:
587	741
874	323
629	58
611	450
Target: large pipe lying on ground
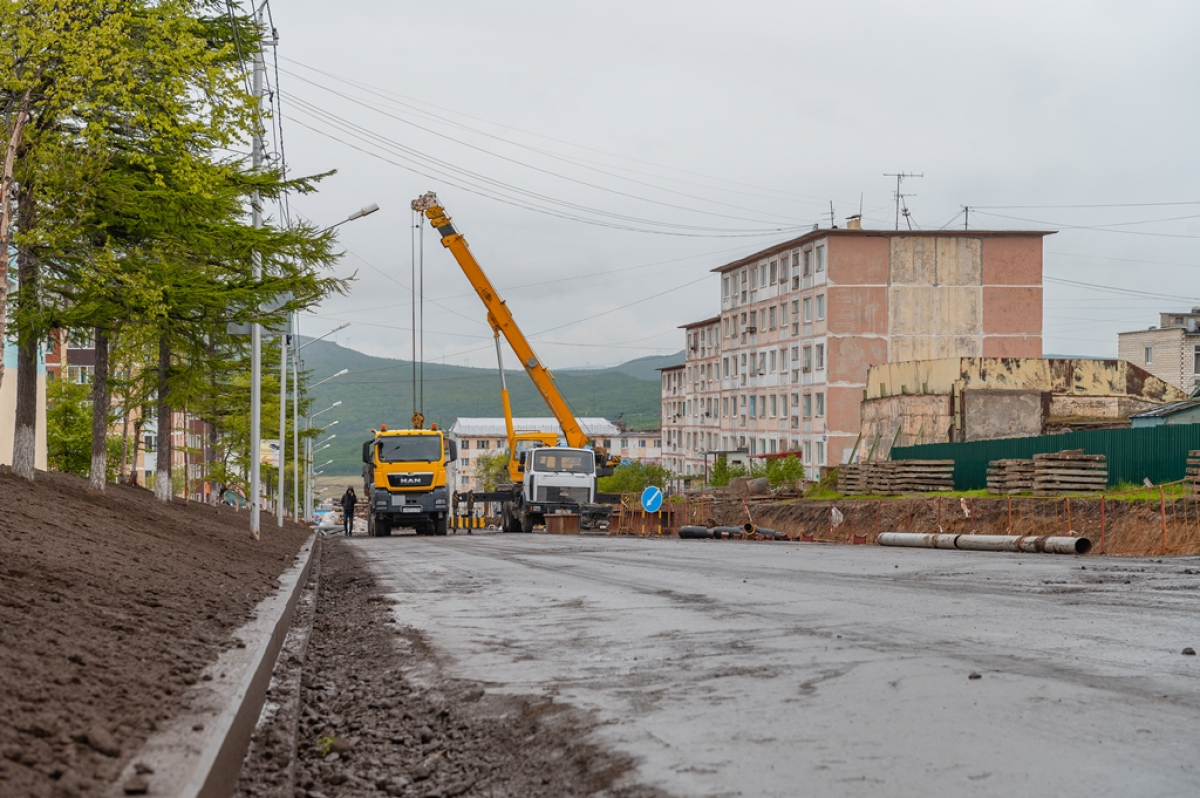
1023	543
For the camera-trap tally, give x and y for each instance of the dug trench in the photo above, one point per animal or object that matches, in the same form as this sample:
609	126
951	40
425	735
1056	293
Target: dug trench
362	706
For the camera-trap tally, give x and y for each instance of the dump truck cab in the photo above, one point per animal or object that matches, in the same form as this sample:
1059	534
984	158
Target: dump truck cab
405	480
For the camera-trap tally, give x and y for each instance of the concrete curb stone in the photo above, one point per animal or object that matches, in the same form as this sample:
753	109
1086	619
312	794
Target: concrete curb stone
200	753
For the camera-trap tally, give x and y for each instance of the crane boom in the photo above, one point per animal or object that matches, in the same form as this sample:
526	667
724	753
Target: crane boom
502	322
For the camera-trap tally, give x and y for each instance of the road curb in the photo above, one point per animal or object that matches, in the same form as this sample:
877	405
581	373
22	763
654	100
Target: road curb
199	754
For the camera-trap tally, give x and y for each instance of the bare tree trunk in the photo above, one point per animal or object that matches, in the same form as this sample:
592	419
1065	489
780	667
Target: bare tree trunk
99	473
138	426
6	204
25	432
121	477
162	478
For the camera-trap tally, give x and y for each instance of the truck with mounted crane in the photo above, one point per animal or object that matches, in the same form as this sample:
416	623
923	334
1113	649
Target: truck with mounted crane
545	478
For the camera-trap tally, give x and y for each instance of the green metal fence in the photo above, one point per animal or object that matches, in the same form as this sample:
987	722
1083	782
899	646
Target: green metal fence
1155	453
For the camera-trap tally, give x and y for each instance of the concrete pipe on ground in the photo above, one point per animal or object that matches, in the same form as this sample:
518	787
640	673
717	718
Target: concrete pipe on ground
1020	543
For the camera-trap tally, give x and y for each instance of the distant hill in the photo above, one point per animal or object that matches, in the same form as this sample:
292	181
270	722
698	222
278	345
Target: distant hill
379	390
644	368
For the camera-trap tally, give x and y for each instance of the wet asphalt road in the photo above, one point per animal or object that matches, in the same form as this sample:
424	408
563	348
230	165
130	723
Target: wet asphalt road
784	669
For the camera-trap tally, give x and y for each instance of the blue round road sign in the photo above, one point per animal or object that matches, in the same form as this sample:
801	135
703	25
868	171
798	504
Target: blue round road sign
652	499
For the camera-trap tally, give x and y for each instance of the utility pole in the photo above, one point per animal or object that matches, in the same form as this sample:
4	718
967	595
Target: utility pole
900	176
966	217
256	328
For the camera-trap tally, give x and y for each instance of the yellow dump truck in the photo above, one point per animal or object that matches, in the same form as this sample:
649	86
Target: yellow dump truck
405	481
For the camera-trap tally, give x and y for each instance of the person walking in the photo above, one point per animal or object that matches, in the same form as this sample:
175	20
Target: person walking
348	502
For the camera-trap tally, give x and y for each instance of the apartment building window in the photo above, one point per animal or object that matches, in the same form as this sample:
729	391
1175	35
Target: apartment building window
808	451
753	406
820	259
808	358
820	307
725	407
783	404
807	311
820	356
820	453
762	275
1149	354
1196	360
762	407
808	405
783	316
762	362
725	286
743	363
783	361
743	285
484	445
773	364
796	316
641	444
771	324
466	445
724	367
774	272
820	405
808	263
774	406
465	462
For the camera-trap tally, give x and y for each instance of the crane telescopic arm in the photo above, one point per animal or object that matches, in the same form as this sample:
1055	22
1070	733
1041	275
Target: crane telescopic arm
502	322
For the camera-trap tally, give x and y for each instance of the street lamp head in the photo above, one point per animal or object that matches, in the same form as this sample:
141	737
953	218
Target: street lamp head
340	373
361	212
335	404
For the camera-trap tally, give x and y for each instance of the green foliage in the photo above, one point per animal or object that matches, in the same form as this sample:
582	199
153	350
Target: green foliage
784	470
722	472
68	428
634	478
490	468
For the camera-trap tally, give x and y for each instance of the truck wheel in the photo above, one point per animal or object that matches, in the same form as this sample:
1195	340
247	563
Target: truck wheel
439	526
383	528
527	523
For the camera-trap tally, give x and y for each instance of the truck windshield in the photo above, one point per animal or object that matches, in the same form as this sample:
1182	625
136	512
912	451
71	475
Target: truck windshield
410	448
575	462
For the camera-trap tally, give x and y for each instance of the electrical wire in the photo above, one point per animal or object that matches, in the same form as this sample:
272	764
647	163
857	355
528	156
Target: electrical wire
417	157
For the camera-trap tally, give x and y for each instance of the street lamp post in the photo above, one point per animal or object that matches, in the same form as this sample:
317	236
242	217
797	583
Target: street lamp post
295	414
309	444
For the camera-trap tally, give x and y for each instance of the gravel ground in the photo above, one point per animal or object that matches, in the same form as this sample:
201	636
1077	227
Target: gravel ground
358	707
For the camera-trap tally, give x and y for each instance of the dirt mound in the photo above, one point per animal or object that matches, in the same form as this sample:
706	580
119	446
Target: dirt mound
111	605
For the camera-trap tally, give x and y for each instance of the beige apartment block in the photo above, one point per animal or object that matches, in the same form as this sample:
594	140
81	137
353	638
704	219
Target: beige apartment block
1170	351
691	422
801	322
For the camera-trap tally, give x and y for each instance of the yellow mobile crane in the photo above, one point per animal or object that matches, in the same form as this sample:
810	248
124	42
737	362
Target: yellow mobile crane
544	478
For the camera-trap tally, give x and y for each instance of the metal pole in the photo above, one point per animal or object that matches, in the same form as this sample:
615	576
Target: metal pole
283	358
295	417
256	328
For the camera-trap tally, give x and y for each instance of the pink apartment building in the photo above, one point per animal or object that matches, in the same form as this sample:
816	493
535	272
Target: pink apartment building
784	366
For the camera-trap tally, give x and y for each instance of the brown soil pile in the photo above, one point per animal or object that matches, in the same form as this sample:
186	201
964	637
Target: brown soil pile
111	605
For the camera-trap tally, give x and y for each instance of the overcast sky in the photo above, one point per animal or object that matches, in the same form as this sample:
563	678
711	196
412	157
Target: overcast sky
601	158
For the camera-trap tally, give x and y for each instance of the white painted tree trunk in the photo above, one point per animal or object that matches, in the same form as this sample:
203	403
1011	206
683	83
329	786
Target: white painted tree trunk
162	478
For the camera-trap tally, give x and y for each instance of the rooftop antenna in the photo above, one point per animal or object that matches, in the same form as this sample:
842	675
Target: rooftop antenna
832	217
900	197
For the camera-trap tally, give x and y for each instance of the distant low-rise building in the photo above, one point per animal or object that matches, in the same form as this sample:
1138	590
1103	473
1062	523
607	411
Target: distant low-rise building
1170	351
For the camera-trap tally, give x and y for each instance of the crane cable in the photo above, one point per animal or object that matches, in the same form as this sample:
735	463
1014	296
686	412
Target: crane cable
414	225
